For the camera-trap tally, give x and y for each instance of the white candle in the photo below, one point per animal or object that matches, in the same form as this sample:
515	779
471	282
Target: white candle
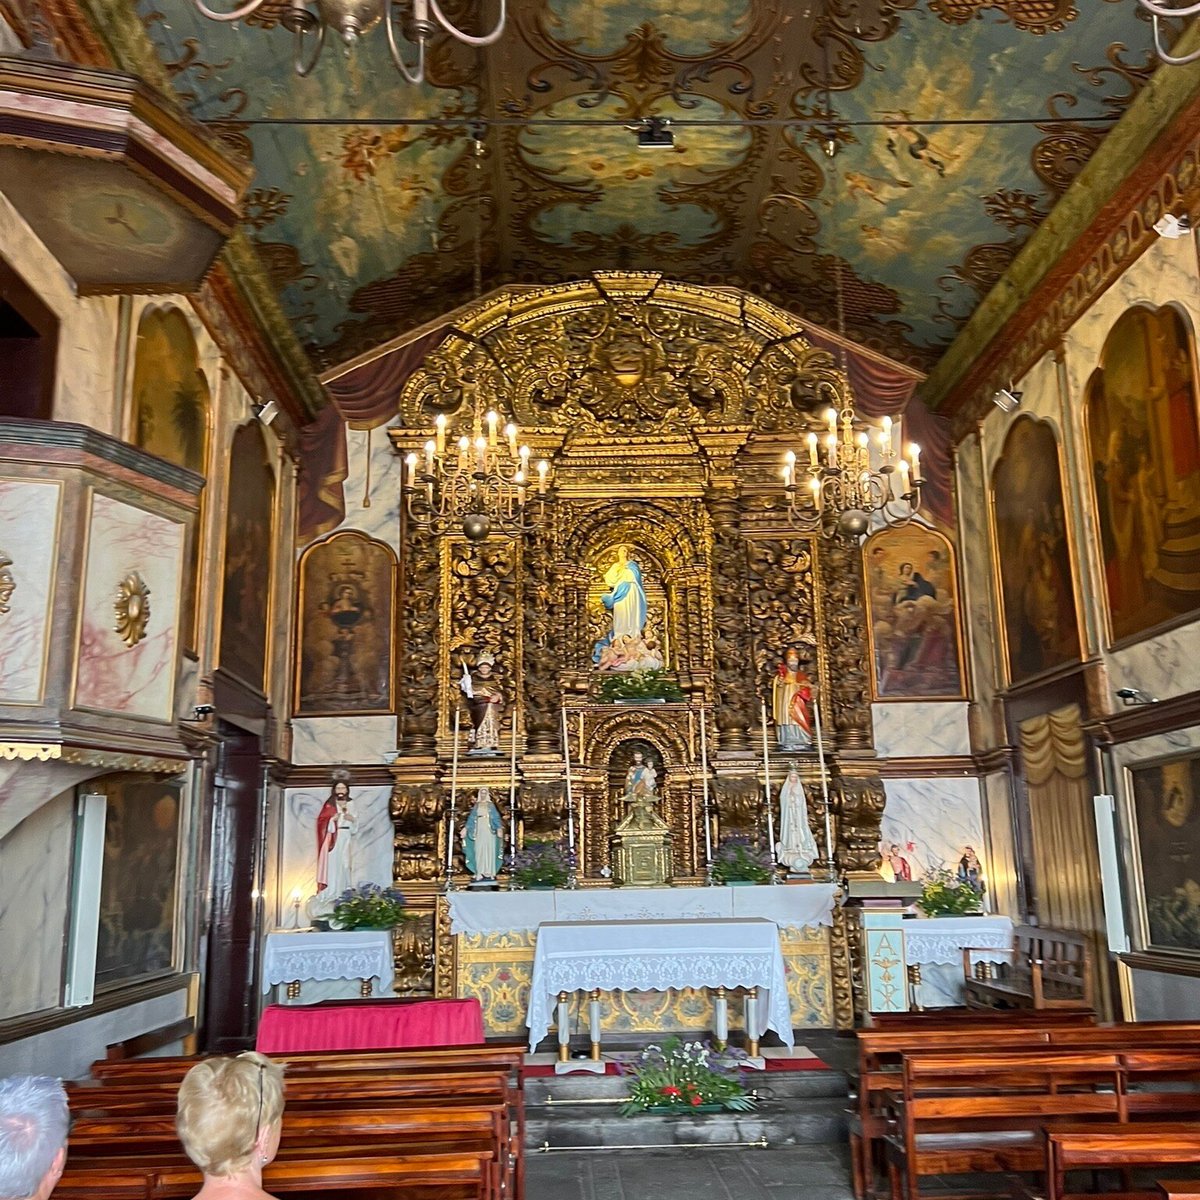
831	445
543	471
481	448
914	452
464	448
767	783
831	417
512	789
410	462
812	449
566	741
510	432
885	438
430	447
902	472
704	779
824	781
789	469
439	427
453	796
493	419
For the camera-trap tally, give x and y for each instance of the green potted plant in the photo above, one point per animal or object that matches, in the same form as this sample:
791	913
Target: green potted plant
943	894
739	860
685	1077
653	686
369	906
542	865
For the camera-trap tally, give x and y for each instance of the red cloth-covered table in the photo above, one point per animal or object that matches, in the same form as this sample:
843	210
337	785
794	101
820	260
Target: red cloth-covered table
290	1028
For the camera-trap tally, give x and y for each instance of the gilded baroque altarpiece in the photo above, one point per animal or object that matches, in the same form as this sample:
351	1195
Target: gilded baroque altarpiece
665	410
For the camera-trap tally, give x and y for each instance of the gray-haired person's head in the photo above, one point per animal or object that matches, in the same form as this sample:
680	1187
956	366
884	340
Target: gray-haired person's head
34	1120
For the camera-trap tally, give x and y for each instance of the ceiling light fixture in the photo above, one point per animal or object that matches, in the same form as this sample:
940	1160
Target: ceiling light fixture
1170	12
653	134
308	20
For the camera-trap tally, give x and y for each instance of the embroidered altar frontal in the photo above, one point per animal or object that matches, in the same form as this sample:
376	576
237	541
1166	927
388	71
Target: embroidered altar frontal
490	957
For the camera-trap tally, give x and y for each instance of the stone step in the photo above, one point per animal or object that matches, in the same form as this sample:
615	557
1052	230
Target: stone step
782	1122
780	1084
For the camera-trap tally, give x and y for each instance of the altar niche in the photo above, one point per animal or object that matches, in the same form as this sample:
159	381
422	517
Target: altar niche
641	841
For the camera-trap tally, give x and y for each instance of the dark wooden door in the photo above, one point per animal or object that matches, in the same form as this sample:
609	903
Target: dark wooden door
232	941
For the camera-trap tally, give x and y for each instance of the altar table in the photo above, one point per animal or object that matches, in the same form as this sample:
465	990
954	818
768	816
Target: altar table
655	956
291	957
791	906
388	1025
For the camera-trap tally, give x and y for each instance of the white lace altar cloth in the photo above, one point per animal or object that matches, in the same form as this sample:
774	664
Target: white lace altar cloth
346	954
943	939
654	956
790	906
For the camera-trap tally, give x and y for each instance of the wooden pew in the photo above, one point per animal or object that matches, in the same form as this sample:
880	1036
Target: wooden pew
1116	1147
984	1114
443	1175
1046	968
956	1018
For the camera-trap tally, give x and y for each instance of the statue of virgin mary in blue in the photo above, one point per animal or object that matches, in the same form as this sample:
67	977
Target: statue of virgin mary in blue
626	600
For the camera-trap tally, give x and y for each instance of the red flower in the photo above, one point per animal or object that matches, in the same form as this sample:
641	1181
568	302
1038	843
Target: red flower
697	1099
669	1091
691	1087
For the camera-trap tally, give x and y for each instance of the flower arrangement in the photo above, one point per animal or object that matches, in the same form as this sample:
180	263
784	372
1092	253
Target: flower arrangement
650	684
943	894
542	864
679	1076
369	906
738	858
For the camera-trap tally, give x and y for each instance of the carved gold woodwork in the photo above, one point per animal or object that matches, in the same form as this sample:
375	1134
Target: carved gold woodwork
666	413
132	609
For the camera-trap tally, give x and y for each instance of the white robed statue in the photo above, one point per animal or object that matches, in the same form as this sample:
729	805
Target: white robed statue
483	837
796	848
626	597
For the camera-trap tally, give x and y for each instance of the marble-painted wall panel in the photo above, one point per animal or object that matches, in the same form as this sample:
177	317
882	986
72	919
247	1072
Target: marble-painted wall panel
35	888
29	517
1164	666
110	676
373	475
933	820
335	740
921	729
26	786
371	847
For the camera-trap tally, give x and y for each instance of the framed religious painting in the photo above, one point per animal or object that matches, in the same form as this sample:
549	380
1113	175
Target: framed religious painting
912	615
138	878
1165	846
1143	434
249	549
344	627
1033	556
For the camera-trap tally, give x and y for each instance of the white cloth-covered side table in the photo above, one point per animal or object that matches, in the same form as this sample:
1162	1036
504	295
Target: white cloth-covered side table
656	956
935	945
292	957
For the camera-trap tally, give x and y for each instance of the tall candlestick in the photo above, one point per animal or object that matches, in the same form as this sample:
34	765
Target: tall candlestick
453	800
512	790
824	783
767	788
704	780
566	741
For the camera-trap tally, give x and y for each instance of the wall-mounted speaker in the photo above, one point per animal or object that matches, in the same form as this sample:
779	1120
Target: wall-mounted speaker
1110	874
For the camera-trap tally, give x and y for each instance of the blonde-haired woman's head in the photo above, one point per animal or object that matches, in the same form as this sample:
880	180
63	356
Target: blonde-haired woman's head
229	1111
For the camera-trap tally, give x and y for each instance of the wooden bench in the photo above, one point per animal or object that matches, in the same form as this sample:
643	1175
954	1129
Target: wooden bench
1045	969
1116	1147
956	1018
984	1114
443	1175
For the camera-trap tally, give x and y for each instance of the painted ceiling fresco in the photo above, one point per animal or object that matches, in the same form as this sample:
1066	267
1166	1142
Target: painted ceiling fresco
957	124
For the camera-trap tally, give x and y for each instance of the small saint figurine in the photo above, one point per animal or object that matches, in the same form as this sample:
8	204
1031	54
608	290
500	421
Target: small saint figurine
483	837
796	848
485	703
791	698
641	778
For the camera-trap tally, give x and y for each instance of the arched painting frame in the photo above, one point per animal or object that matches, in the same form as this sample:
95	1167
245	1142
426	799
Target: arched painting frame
1143	436
1033	553
249	558
345	624
911	585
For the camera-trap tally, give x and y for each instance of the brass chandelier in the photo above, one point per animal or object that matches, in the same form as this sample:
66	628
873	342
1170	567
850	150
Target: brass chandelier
308	21
479	482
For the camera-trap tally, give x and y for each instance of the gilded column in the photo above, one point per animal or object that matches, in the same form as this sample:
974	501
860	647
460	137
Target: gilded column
542	615
418	693
732	661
